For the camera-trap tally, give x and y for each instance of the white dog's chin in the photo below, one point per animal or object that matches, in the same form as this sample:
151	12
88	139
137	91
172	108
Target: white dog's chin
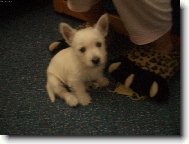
91	65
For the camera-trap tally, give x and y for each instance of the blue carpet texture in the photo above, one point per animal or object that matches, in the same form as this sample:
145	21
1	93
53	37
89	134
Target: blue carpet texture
25	108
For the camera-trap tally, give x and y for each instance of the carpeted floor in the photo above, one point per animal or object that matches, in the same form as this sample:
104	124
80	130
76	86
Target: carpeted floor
25	108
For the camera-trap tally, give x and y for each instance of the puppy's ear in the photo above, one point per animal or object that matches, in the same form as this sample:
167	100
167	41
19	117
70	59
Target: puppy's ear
103	24
67	32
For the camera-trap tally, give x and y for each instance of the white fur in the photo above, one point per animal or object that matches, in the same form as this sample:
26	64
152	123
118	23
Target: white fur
73	67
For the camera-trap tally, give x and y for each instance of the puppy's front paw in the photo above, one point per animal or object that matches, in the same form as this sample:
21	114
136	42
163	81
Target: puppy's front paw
103	82
85	100
71	100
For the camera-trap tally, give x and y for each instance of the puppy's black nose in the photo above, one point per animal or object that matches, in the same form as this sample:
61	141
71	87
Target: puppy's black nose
96	60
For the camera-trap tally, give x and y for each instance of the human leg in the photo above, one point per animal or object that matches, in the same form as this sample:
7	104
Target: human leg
147	21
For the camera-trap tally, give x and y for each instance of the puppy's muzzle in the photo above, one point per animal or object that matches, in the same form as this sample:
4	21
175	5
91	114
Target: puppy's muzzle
96	60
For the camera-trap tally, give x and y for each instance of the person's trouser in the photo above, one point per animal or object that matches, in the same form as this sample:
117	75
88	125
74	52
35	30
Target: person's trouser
145	20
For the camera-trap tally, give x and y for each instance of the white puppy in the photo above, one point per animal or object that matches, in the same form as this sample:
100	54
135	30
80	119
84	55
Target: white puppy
84	61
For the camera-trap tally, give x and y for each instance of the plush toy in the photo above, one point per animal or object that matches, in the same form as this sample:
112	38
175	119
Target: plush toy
143	82
145	71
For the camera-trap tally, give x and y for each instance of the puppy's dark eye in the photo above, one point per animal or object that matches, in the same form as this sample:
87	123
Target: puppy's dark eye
82	49
98	44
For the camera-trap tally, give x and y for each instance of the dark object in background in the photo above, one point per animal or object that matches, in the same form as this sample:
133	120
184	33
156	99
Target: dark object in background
176	17
14	8
143	79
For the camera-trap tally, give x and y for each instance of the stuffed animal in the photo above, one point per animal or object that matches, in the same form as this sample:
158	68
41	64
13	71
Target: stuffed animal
143	82
145	72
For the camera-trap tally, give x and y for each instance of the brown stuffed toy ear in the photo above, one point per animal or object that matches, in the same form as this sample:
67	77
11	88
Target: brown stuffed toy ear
57	46
53	46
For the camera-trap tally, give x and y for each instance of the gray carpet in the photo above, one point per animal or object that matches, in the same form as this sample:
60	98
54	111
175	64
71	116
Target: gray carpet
25	108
